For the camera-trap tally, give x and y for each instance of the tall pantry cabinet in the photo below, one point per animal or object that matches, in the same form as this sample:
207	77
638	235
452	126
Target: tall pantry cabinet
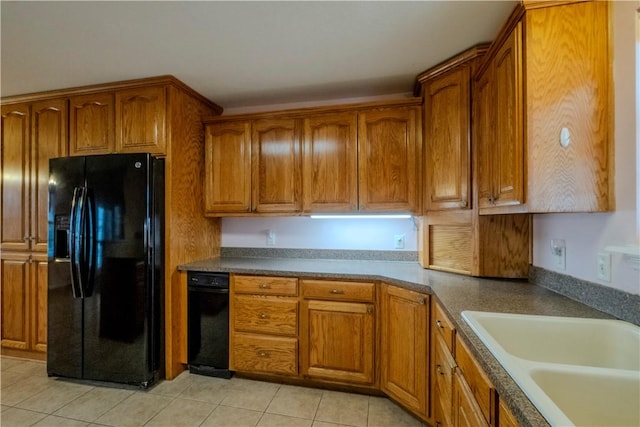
158	115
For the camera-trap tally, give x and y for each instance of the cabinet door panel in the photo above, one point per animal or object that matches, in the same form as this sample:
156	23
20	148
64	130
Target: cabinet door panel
276	166
484	139
405	345
49	140
140	120
466	410
91	124
508	119
330	163
228	167
15	177
338	341
39	277
387	152
15	301
447	141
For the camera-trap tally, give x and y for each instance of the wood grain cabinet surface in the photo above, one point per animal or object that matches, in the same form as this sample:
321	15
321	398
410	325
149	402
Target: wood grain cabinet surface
447	145
330	172
140	120
338	331
388	159
24	301
360	157
92	124
543	112
453	236
263	325
404	346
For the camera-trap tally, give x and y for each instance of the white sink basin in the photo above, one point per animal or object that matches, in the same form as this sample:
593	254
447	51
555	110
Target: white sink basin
575	371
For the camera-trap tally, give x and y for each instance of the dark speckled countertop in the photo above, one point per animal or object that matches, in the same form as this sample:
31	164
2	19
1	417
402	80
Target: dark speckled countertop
456	293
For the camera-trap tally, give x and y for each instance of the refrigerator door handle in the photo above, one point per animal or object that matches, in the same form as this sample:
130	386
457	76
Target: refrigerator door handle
75	242
88	242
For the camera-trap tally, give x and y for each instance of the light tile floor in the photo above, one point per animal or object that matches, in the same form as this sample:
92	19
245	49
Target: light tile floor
28	397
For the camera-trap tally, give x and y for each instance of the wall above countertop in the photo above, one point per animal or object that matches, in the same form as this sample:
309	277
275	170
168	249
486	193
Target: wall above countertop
305	232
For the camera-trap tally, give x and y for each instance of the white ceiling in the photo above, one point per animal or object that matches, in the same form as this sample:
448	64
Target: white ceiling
239	53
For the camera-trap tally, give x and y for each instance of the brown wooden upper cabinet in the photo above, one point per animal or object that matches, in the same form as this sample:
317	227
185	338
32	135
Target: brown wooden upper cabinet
363	157
140	120
91	124
388	159
123	121
329	169
447	139
228	167
32	133
543	119
276	174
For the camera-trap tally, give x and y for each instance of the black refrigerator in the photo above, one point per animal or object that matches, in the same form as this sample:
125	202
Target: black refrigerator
105	253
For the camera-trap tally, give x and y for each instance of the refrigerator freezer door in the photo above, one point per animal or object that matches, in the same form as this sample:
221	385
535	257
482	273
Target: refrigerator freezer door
117	314
64	323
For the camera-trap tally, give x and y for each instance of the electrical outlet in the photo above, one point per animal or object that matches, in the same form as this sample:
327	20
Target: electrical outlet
559	252
604	266
398	241
271	238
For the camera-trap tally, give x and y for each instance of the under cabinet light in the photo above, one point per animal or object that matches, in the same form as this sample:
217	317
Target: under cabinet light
356	216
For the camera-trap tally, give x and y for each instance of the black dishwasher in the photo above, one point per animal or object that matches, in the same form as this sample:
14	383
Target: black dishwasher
208	329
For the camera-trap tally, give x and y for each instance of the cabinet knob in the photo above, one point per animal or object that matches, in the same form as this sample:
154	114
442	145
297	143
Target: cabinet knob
337	291
264	286
369	310
439	370
264	315
439	324
421	301
463	204
263	354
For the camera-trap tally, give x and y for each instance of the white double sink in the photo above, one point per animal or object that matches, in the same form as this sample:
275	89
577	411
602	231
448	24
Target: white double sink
576	371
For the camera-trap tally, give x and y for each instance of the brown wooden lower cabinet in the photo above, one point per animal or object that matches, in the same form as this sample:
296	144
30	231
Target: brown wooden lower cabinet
405	347
505	417
24	302
466	411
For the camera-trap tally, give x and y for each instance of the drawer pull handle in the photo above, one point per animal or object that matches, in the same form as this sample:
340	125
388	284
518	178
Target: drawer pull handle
264	315
439	370
369	310
263	354
337	291
264	286
439	324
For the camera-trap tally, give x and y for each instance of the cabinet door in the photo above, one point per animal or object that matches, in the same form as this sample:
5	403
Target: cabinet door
140	120
49	140
276	166
227	185
387	160
338	341
330	163
447	146
466	410
15	300
15	177
509	133
91	124
485	147
505	417
405	347
38	277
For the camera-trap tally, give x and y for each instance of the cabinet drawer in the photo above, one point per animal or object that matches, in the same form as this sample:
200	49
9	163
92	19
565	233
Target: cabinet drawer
273	355
337	290
265	285
442	324
444	366
271	315
480	386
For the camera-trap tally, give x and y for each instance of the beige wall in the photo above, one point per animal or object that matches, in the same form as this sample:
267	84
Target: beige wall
588	234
